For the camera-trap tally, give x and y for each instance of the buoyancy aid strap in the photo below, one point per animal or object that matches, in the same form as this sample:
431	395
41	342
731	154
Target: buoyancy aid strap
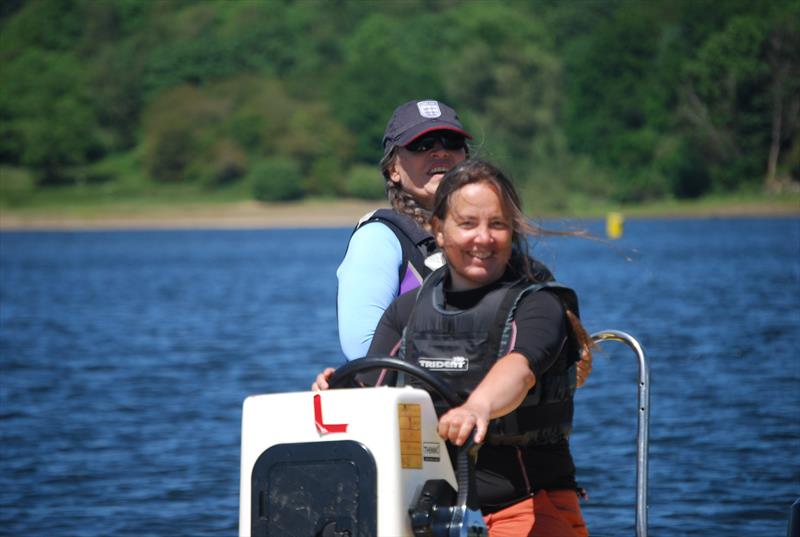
500	331
416	243
405	225
408	335
500	338
503	319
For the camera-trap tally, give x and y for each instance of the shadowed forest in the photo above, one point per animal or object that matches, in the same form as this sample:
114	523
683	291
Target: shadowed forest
616	100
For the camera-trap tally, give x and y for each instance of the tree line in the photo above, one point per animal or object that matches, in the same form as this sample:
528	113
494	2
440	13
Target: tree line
626	100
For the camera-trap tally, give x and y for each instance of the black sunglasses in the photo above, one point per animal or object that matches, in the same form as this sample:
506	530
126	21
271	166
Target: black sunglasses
449	141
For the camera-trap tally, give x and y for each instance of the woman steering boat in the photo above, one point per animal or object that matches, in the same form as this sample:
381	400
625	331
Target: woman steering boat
506	338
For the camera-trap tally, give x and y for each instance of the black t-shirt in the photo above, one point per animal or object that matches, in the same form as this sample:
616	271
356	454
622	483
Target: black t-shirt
541	334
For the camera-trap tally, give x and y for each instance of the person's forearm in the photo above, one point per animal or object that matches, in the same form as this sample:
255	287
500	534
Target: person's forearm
505	386
502	390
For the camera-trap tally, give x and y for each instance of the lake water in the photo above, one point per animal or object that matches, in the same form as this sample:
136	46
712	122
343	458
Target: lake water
125	357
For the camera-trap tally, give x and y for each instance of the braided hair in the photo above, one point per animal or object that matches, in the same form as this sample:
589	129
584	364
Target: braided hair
400	200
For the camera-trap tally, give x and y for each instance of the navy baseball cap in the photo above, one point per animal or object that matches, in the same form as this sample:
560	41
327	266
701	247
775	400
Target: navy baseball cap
415	118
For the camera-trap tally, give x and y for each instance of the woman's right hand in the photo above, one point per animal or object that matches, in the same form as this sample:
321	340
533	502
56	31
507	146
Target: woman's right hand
457	423
321	382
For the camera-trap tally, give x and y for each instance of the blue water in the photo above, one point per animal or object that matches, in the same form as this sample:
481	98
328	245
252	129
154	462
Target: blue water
125	356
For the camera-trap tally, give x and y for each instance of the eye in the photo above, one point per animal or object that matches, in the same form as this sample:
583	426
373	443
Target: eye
499	224
421	145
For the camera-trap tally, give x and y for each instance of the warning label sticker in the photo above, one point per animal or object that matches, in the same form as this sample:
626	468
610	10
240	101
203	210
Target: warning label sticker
410	423
432	451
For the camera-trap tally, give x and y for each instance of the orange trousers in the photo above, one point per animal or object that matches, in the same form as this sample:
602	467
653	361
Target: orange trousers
554	513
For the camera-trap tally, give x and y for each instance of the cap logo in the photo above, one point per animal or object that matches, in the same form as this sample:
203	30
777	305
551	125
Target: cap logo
429	109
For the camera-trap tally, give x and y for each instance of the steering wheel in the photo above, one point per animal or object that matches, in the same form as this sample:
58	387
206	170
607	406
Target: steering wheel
345	375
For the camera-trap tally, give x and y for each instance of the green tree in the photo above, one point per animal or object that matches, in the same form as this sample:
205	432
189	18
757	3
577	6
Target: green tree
740	95
365	182
503	70
618	97
259	110
117	96
277	179
315	138
180	128
783	56
48	121
639	99
387	61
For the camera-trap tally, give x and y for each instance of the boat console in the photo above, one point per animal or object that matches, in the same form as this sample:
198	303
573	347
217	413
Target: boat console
369	461
347	462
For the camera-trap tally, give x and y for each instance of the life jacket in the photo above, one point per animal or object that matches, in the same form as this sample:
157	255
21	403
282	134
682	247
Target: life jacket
421	255
462	345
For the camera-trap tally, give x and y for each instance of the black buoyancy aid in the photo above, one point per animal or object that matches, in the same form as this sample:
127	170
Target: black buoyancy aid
462	345
417	245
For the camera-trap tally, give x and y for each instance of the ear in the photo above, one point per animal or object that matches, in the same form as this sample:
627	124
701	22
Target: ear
394	175
438	234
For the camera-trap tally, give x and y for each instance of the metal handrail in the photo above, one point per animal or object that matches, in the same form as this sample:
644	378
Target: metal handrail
644	422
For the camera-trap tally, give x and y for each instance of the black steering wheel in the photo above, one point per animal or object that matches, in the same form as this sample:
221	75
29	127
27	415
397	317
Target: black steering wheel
345	375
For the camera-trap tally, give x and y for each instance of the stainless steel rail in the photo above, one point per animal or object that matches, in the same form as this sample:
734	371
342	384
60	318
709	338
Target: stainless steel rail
644	422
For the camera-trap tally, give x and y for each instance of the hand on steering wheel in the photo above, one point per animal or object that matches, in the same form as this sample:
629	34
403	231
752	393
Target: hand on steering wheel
455	425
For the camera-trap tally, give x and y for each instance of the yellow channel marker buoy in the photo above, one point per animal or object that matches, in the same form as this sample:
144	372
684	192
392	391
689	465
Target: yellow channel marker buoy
614	224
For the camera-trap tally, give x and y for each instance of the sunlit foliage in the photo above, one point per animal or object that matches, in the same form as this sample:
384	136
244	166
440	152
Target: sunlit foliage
621	99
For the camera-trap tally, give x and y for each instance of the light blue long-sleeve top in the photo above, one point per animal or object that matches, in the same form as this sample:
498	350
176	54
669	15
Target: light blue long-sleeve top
368	282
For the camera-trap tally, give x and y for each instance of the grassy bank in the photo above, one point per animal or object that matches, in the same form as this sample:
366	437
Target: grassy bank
128	205
165	213
709	206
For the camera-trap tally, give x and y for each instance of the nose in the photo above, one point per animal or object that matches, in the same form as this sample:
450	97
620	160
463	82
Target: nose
438	148
483	235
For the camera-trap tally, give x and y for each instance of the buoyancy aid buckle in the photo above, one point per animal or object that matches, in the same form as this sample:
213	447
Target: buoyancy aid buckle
543	436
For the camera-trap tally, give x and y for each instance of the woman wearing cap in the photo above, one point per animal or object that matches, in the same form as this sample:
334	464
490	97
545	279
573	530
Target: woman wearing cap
512	340
391	250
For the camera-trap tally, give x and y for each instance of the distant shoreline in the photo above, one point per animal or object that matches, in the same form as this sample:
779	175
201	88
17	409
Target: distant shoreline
309	214
238	215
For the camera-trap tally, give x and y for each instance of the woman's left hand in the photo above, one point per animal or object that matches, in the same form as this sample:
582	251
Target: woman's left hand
458	423
321	382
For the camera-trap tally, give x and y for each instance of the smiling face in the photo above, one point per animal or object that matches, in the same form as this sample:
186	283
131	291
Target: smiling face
476	236
419	173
